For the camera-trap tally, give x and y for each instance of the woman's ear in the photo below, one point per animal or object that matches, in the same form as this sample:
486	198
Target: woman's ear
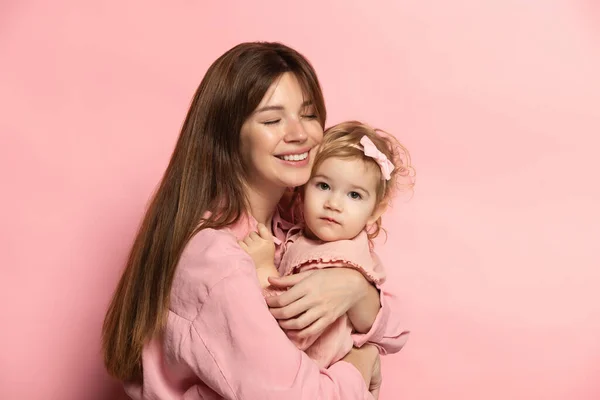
377	213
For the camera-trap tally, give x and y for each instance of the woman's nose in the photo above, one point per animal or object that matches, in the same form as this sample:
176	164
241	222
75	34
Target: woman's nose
295	132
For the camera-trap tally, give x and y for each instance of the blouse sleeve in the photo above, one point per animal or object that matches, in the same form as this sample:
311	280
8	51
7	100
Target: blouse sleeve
388	332
236	347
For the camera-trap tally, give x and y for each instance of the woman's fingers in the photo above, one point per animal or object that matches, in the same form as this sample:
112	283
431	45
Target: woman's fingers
293	306
316	328
284	282
306	319
287	298
375	393
376	378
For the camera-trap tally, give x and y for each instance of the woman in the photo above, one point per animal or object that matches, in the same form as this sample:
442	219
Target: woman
187	320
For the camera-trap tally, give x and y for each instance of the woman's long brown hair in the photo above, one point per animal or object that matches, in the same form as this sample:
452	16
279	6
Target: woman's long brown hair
205	173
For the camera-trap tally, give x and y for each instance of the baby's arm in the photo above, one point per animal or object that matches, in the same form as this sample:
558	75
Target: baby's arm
261	248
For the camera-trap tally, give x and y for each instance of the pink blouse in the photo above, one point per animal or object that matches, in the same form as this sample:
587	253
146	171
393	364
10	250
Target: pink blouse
221	341
303	254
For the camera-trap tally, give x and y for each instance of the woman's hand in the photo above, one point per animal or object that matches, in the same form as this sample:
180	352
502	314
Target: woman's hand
367	362
376	379
315	299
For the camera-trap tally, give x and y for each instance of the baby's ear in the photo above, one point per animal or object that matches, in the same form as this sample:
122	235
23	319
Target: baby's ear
377	212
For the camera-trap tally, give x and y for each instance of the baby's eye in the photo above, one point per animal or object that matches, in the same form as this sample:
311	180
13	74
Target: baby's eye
323	186
355	195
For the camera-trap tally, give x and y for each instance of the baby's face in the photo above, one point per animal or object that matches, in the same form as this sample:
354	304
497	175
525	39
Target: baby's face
340	199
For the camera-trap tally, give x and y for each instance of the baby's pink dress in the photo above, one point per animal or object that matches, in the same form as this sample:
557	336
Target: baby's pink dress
304	254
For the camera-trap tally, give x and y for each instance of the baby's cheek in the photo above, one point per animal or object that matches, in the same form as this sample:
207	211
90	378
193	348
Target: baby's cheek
352	230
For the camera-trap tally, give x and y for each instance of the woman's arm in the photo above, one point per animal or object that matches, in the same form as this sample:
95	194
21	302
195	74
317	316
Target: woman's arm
236	347
317	298
362	296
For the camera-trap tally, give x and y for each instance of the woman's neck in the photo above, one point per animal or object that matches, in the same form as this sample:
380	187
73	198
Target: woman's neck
263	204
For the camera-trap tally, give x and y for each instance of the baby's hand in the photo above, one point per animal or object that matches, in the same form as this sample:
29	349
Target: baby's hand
260	247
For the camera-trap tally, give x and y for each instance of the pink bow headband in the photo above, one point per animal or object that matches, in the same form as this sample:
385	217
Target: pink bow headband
372	151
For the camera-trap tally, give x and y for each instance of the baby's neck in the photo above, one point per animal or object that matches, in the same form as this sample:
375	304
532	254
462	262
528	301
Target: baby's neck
310	235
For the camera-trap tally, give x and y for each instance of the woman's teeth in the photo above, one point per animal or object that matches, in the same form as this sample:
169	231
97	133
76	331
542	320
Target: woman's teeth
294	157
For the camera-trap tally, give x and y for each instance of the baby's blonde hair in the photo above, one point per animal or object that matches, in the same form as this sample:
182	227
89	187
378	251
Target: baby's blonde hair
343	141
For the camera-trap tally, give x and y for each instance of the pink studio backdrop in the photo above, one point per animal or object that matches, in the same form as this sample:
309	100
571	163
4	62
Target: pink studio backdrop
499	103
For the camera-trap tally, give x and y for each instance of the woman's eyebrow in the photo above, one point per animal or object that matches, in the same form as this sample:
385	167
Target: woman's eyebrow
269	108
278	107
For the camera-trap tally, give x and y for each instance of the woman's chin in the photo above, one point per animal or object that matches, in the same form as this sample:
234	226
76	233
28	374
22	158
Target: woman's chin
296	179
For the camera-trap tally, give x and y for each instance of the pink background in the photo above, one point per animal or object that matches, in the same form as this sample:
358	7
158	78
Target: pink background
494	256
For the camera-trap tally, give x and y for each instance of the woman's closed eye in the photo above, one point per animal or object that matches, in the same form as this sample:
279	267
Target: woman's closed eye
272	122
310	116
